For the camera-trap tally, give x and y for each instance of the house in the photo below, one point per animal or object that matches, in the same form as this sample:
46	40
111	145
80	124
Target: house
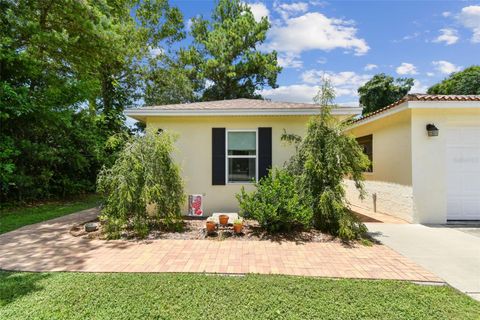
223	145
425	152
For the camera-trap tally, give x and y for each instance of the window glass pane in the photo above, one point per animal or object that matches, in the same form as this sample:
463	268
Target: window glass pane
242	143
366	143
241	169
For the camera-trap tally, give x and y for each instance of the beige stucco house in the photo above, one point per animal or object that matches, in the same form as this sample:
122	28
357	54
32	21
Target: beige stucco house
415	175
222	145
425	152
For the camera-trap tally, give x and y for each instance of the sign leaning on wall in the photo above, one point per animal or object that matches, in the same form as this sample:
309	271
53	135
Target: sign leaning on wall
195	205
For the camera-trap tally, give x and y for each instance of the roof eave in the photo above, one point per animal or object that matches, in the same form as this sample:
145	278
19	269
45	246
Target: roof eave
414	104
142	113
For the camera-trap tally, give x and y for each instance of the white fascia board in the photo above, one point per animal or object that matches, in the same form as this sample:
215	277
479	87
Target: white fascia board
419	105
444	104
237	112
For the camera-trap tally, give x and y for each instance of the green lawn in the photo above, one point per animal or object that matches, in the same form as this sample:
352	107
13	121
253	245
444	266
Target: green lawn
198	296
11	219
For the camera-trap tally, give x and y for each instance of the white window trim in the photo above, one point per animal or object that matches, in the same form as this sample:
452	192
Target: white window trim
227	156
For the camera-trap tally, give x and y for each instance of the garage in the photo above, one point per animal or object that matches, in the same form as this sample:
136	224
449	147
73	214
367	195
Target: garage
463	172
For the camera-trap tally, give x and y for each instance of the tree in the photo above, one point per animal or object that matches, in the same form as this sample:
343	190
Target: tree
463	82
225	54
382	90
324	157
144	174
67	70
167	81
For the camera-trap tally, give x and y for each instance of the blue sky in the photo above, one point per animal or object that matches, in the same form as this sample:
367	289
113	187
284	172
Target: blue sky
350	41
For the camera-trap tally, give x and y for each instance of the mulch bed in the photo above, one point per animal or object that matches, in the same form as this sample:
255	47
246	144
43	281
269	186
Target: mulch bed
194	229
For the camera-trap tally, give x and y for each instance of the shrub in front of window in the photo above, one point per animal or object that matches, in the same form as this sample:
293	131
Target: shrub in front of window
276	203
143	187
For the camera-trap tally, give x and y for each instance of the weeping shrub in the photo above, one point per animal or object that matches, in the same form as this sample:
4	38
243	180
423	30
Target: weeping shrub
324	157
276	203
144	175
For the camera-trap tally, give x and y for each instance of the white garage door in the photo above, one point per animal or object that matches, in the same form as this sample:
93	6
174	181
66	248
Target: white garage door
463	173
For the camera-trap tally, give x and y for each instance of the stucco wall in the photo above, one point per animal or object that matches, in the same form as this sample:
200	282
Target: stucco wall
194	151
404	154
392	199
429	169
392	159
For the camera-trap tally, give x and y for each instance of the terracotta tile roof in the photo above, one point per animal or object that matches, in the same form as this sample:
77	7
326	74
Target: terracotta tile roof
233	104
420	97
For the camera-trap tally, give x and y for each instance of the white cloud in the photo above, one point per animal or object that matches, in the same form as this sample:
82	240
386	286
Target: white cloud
189	24
430	74
259	10
408	37
470	18
317	3
345	83
418	87
154	52
406	68
313	31
291	93
321	60
290	60
288	9
370	66
446	14
448	35
209	83
446	67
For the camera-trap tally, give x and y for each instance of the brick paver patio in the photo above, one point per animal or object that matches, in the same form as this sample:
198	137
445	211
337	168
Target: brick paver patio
48	246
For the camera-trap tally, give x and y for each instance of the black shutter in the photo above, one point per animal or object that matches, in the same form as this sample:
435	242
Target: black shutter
218	156
264	151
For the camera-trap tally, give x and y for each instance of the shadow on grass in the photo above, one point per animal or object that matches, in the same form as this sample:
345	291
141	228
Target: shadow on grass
15	285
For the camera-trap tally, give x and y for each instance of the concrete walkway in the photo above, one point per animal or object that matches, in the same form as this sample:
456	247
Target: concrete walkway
48	246
450	253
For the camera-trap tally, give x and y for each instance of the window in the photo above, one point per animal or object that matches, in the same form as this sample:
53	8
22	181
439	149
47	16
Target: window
366	143
241	156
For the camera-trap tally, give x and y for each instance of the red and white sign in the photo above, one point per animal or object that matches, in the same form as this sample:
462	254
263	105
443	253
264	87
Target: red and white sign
195	205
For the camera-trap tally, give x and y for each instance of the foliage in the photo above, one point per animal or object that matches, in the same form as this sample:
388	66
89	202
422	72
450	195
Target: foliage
144	175
14	218
382	90
67	70
159	296
225	55
324	157
466	81
167	80
276	203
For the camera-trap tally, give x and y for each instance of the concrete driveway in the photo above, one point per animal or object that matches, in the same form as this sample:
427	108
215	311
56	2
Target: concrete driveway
450	252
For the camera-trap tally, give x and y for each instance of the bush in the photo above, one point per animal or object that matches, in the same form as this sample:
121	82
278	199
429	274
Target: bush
333	216
144	175
276	203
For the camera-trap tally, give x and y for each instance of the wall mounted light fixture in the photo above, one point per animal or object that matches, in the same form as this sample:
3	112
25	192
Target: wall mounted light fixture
432	130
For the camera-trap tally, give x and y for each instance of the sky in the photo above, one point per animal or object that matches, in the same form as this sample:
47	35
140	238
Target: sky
350	41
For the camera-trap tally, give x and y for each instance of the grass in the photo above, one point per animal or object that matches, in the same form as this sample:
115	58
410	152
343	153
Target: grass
14	218
198	296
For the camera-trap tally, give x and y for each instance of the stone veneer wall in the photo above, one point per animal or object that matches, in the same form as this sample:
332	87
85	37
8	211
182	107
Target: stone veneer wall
392	199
